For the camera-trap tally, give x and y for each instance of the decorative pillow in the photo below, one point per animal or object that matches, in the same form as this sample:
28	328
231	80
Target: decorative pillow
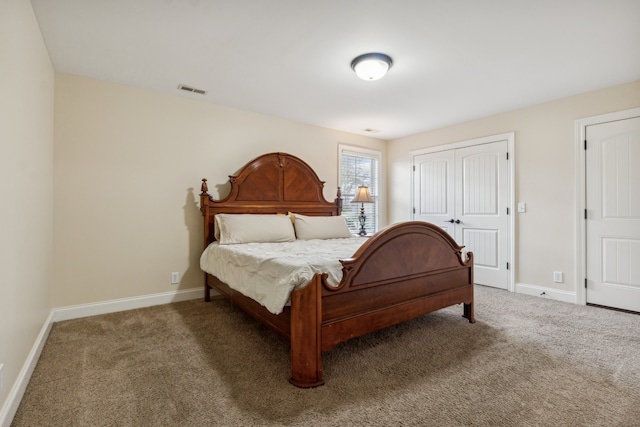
216	228
253	228
320	227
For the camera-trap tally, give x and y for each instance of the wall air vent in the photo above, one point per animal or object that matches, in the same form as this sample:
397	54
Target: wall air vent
191	89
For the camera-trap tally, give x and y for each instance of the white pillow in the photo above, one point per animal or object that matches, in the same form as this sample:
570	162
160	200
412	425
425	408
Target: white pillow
253	228
216	228
320	227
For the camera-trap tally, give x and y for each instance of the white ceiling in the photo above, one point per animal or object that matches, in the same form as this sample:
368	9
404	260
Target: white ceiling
454	60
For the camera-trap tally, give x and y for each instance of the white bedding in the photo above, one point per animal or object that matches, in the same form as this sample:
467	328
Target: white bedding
269	272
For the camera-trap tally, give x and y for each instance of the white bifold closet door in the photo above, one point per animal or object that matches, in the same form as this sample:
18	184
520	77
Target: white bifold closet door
466	192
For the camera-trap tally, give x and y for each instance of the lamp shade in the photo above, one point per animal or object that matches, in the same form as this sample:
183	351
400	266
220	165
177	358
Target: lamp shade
371	66
362	195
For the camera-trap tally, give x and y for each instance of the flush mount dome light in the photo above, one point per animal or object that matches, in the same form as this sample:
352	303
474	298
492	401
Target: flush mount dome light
371	66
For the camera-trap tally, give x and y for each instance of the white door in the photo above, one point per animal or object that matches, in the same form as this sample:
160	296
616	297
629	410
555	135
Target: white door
434	189
466	192
482	186
613	214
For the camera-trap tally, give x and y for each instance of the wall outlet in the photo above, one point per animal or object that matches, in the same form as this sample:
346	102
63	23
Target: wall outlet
175	278
557	277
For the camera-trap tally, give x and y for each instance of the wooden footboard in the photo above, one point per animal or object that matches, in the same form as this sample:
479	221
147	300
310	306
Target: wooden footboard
401	273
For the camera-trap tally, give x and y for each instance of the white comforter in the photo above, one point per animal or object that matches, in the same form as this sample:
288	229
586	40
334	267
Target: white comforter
269	272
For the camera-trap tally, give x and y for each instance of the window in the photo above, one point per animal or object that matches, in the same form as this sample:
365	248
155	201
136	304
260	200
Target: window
359	166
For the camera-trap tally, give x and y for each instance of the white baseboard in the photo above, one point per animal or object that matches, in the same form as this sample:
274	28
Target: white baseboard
10	406
124	304
550	293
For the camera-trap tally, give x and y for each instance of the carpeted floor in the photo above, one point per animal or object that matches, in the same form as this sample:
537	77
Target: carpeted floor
526	362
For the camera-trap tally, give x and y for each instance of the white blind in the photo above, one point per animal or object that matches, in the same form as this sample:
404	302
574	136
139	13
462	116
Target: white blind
356	169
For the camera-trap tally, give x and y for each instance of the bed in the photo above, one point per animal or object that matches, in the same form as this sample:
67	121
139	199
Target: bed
402	272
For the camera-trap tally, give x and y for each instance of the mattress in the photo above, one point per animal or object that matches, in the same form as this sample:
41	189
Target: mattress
269	272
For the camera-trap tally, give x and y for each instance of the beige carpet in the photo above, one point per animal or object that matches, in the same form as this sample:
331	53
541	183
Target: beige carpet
526	362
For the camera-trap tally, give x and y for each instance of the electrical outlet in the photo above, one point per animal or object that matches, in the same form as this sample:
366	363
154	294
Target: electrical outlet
557	277
175	278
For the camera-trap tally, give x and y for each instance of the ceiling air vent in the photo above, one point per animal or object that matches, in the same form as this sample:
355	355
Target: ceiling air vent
369	130
191	89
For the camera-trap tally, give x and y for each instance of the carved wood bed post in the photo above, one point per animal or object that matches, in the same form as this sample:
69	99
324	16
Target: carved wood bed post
306	334
468	311
204	205
339	201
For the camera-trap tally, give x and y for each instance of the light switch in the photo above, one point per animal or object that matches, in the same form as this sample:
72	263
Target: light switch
522	207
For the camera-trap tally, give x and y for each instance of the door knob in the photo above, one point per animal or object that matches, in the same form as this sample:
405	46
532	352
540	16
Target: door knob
451	221
457	221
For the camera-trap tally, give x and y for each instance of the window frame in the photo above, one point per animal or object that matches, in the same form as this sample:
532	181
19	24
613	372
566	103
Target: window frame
345	149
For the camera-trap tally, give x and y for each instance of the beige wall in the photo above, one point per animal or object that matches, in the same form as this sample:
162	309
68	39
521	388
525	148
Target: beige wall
545	175
26	187
128	169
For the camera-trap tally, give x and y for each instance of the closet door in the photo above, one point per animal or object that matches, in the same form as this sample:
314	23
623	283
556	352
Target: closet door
466	192
434	183
482	198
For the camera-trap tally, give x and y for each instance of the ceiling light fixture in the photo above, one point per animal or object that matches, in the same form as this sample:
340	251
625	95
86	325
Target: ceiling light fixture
371	66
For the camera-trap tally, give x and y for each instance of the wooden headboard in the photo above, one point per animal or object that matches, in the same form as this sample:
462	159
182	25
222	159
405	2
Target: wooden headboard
274	183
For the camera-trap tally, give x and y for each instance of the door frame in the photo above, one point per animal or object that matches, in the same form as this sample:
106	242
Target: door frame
510	138
581	192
